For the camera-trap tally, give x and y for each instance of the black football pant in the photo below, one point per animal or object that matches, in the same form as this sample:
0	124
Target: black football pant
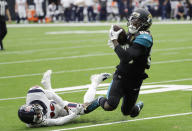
3	32
128	89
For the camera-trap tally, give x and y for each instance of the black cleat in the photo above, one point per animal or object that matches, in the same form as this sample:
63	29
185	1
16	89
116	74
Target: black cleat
137	108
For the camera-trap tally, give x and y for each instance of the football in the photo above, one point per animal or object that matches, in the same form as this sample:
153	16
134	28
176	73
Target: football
122	39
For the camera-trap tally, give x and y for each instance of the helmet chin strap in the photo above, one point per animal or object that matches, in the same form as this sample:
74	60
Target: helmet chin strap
132	29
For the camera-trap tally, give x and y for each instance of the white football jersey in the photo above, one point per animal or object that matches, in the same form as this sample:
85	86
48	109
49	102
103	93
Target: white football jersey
39	7
21	4
51	109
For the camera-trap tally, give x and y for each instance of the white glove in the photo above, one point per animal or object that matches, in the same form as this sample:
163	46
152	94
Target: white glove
80	109
110	44
113	35
77	110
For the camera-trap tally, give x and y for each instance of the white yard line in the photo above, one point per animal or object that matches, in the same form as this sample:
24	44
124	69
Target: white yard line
79	56
86	69
55	58
119	122
86	46
78	32
59	72
147	86
90	24
49	49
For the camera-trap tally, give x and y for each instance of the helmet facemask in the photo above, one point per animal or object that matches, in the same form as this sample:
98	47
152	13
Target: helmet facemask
38	117
138	22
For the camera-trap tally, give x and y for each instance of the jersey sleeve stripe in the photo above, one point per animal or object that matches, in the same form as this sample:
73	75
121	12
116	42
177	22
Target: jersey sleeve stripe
35	91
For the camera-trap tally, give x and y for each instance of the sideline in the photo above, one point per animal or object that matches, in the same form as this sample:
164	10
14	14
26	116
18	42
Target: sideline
91	24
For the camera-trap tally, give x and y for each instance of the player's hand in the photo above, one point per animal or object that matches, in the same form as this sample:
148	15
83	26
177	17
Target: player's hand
110	44
80	108
113	35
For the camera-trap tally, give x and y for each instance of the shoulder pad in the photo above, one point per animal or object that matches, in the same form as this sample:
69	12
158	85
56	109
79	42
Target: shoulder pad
144	39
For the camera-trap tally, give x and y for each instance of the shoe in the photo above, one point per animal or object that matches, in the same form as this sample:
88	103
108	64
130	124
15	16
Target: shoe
89	107
137	109
46	80
98	78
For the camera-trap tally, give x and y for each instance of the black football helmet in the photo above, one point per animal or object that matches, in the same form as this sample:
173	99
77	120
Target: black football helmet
31	114
140	20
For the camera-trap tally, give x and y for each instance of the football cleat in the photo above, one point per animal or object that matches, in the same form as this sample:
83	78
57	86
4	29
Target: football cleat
46	80
98	78
136	110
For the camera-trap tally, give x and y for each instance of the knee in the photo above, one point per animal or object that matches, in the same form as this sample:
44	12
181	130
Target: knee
107	107
109	104
3	34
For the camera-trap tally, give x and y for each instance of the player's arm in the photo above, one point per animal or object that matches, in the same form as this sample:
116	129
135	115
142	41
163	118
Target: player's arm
131	53
55	122
16	7
8	14
139	48
61	120
26	7
53	96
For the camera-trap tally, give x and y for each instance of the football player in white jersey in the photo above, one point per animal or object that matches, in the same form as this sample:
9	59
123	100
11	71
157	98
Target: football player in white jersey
39	10
45	108
21	7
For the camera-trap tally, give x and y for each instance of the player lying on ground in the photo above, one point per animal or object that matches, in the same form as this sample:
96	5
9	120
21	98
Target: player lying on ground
45	108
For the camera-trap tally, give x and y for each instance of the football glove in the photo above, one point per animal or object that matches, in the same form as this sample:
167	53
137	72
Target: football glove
110	44
113	35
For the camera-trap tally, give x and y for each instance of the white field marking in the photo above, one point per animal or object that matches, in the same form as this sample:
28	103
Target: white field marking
172	49
90	24
81	56
5	99
164	88
59	72
49	49
89	69
169	53
169	81
86	46
143	88
172	61
78	32
120	122
55	58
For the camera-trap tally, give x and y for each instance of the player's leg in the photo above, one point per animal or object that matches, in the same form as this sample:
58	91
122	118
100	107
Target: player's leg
46	80
113	97
115	92
95	81
3	33
129	106
90	103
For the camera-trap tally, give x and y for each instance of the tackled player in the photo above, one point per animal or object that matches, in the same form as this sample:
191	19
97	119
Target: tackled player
45	108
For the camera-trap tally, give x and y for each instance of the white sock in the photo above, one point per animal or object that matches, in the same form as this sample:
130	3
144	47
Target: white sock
46	80
90	94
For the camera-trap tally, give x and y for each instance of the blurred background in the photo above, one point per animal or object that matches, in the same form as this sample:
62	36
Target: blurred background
46	11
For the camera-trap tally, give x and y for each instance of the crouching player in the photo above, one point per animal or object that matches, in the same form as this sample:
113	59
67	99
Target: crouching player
45	108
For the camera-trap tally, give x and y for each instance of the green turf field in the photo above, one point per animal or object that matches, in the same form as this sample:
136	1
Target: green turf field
30	51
